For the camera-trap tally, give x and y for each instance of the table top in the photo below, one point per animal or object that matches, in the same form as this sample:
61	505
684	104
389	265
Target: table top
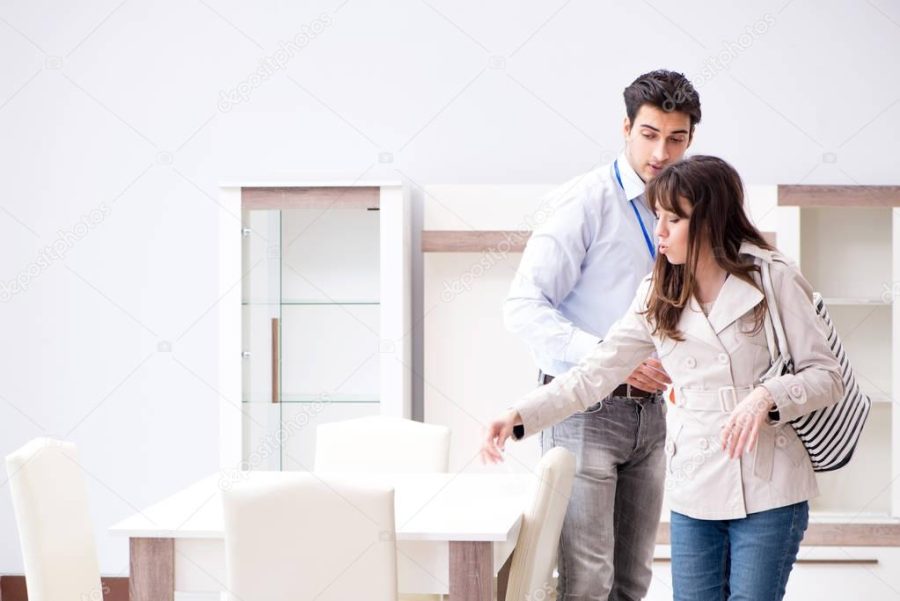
428	507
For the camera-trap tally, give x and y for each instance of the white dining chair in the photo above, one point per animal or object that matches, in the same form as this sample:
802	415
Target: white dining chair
382	444
306	537
534	558
50	503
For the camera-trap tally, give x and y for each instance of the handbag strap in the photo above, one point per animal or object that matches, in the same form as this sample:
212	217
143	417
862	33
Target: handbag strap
773	324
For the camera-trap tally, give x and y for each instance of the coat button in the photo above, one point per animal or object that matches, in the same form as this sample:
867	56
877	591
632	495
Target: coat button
723	358
781	441
797	392
690	363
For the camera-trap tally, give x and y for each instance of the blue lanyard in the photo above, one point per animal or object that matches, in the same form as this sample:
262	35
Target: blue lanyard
636	212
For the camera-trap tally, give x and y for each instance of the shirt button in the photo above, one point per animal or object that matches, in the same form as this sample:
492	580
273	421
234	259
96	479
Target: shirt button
723	358
796	390
704	444
690	362
670	447
781	441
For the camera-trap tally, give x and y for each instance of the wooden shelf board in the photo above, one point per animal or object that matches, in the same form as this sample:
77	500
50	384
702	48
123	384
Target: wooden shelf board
310	198
489	240
833	534
474	240
854	302
839	196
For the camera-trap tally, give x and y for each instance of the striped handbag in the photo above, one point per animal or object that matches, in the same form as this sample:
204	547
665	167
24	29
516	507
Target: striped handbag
829	434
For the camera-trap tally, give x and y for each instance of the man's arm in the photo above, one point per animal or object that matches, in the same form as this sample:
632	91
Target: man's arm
549	269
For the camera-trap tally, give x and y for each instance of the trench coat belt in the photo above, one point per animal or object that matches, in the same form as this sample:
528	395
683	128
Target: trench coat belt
724	400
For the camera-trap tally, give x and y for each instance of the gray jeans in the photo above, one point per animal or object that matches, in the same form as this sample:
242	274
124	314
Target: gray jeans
609	533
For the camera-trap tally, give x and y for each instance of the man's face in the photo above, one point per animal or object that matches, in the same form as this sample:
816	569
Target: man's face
656	139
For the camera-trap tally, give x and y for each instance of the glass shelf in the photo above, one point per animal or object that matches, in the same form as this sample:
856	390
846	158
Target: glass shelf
312	399
852	302
290	303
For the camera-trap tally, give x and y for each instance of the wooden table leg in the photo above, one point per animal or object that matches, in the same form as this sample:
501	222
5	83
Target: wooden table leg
152	569
471	571
503	579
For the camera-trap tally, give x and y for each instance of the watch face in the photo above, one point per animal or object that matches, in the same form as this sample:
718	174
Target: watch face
518	432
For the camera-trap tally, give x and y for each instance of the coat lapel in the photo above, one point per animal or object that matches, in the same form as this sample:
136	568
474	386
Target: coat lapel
735	298
694	324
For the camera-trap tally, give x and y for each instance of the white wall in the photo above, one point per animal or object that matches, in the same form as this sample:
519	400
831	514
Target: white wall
121	108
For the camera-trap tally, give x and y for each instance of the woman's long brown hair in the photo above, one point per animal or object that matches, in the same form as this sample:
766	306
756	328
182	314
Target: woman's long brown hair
713	189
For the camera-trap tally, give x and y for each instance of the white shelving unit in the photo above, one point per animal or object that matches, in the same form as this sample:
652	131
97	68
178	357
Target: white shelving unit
846	240
472	238
318	328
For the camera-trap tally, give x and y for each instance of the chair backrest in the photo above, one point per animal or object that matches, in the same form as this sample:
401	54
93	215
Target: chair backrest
533	561
50	502
382	444
298	536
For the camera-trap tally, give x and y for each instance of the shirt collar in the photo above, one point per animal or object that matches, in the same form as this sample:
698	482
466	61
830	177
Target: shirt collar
634	185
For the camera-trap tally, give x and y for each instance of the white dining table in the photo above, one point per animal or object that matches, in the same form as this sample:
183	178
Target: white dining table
455	532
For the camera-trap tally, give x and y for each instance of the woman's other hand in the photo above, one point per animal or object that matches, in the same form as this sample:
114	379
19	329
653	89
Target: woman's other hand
742	429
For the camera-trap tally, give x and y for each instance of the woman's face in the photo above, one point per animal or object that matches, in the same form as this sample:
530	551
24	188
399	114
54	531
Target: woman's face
672	233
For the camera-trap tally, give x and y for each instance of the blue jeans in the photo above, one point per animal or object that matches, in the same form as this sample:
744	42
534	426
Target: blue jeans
747	559
609	532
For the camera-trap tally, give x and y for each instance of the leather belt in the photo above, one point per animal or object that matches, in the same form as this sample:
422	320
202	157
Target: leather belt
622	390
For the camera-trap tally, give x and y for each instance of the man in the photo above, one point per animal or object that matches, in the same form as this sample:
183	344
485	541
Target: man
578	274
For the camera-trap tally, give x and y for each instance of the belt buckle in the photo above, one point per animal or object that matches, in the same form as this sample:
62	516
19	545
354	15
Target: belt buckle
734	398
630	394
642	395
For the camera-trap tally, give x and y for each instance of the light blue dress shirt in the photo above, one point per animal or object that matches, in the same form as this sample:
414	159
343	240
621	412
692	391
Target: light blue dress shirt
581	267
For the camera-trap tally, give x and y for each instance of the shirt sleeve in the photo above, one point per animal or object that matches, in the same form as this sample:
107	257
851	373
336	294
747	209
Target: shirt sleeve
626	345
549	269
816	382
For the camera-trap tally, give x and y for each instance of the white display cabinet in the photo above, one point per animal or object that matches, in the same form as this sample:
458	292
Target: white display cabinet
322	332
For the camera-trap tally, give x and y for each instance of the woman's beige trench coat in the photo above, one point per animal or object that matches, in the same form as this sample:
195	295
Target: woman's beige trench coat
717	365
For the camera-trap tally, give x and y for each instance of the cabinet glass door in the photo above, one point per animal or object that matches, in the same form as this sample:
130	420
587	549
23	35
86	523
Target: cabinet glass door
261	334
310	327
330	323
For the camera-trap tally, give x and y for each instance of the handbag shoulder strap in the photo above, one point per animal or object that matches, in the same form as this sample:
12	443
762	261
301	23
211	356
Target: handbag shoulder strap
773	325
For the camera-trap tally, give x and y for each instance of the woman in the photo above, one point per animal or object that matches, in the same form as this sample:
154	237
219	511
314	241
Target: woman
738	476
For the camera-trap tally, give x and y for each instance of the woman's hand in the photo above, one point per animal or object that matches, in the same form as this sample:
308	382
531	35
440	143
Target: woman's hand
742	429
496	434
